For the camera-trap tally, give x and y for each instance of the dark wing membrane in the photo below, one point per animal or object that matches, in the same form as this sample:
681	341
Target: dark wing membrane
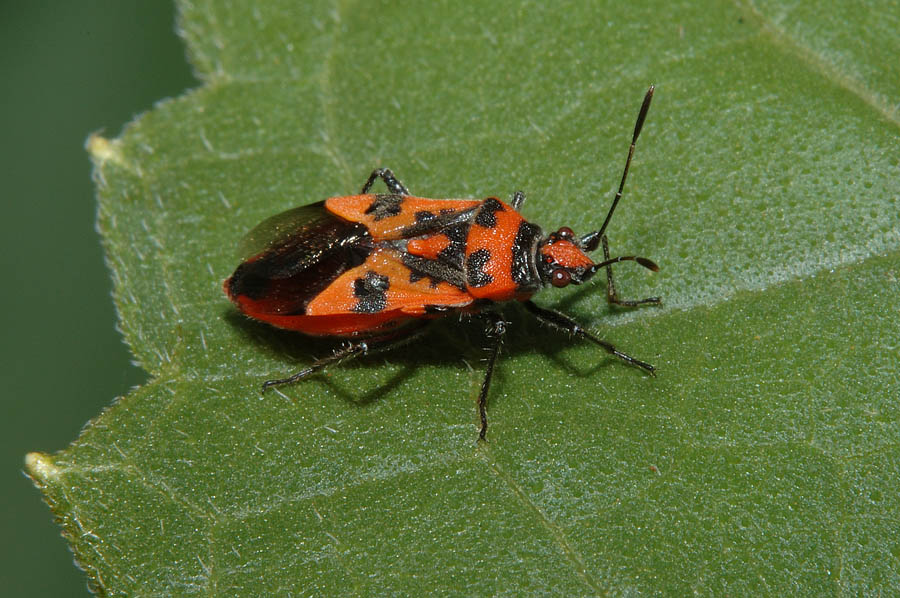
293	256
284	227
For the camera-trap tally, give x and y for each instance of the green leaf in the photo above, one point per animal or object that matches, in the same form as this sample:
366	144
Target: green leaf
762	460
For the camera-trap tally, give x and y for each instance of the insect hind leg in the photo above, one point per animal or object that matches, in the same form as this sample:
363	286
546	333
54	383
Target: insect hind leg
612	296
385	174
349	351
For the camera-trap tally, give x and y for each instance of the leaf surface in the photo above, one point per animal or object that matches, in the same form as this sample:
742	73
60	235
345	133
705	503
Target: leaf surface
762	458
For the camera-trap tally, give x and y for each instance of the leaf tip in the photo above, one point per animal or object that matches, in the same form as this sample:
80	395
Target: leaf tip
41	467
102	149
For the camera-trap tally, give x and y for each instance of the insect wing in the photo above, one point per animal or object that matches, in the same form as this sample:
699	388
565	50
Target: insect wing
391	217
287	227
383	285
291	257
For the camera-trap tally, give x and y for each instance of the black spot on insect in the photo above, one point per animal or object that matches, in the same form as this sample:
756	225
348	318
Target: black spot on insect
385	206
524	273
371	291
455	252
424	216
486	213
457	233
475	274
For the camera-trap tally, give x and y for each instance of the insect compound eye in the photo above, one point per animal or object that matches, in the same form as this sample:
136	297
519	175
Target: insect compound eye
560	277
566	233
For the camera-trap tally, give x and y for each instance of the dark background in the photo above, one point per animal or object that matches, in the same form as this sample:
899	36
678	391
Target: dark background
68	69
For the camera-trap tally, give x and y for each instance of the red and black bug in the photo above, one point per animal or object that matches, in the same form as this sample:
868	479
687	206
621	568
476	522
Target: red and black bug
374	268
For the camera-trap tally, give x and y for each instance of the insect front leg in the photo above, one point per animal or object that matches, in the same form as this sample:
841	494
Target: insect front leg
567	324
611	295
385	174
495	330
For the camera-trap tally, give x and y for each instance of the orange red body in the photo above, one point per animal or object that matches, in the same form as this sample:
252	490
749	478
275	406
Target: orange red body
363	265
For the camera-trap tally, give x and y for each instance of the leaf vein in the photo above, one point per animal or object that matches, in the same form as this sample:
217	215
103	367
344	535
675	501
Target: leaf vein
557	534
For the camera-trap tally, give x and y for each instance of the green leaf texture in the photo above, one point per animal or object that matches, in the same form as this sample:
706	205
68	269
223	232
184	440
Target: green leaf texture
762	460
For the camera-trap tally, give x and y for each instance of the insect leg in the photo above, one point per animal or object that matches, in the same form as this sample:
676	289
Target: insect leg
611	295
385	174
349	351
495	331
567	324
517	200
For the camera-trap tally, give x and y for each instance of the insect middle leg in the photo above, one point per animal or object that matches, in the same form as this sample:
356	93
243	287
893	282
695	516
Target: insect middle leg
495	330
385	174
612	296
567	324
349	351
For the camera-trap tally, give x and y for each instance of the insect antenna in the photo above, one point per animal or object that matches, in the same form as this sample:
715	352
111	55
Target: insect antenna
591	240
649	264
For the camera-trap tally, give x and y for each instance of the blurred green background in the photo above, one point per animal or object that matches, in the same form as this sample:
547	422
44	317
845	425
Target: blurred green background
67	69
